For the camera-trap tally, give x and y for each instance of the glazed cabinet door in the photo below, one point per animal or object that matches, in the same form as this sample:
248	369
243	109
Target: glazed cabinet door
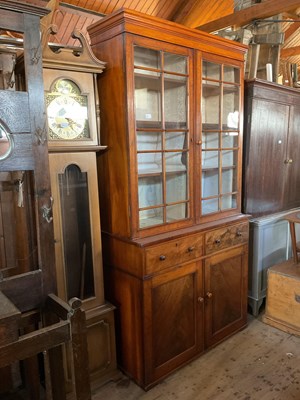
161	84
221	137
225	294
173	320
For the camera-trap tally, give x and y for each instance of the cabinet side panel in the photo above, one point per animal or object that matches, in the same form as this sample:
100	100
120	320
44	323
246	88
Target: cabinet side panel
113	164
125	292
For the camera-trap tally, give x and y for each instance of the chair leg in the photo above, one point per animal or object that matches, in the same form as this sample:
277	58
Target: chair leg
294	241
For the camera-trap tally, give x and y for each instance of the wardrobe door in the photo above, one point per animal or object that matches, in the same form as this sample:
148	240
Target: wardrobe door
291	198
265	158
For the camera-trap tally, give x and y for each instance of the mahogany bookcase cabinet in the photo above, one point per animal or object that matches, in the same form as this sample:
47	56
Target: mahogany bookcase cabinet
174	239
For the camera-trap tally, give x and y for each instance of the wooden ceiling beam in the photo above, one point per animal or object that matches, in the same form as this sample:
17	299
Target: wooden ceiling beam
193	12
243	17
290	51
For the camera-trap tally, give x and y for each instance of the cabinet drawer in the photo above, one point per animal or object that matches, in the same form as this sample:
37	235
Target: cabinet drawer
173	252
226	237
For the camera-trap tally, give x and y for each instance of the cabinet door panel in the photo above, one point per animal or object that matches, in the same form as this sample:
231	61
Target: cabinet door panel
291	198
265	155
226	297
175	320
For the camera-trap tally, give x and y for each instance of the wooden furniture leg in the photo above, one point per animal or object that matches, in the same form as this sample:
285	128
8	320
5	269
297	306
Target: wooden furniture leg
293	219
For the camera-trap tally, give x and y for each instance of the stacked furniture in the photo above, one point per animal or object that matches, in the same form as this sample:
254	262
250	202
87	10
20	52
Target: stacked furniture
271	177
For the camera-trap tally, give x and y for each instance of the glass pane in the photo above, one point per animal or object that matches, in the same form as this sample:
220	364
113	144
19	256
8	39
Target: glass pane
6	143
18	235
176	187
228	202
176	140
74	198
146	57
175	101
211	70
210	183
210	159
149	163
149	141
229	180
210	140
231	74
229	158
177	212
210	206
150	191
230	139
151	217
174	162
210	106
147	96
175	63
230	107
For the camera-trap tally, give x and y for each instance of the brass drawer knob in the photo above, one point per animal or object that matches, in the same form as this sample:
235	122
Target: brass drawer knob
217	241
238	233
209	295
200	299
162	257
190	249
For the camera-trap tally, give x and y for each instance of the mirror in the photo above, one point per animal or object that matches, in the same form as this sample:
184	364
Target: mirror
6	143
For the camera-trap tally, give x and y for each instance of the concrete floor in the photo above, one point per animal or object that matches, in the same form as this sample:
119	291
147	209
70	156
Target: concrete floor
258	363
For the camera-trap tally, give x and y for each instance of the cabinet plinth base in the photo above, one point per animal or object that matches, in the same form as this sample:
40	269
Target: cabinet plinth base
101	345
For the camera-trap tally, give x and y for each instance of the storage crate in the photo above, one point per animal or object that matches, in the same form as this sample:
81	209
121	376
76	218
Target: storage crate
283	297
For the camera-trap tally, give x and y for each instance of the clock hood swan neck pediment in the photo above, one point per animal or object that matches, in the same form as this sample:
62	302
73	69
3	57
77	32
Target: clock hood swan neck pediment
72	58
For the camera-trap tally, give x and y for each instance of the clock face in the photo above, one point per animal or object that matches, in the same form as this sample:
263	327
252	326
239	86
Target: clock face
67	112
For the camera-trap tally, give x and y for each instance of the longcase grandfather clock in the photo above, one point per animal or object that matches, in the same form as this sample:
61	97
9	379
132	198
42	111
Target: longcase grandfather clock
73	140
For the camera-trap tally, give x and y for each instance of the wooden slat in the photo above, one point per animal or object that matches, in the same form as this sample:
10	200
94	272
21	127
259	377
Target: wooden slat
291	30
29	290
243	17
35	342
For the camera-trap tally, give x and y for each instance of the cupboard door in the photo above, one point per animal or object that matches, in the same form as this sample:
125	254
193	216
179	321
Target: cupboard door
225	294
266	145
291	192
220	155
162	82
173	320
